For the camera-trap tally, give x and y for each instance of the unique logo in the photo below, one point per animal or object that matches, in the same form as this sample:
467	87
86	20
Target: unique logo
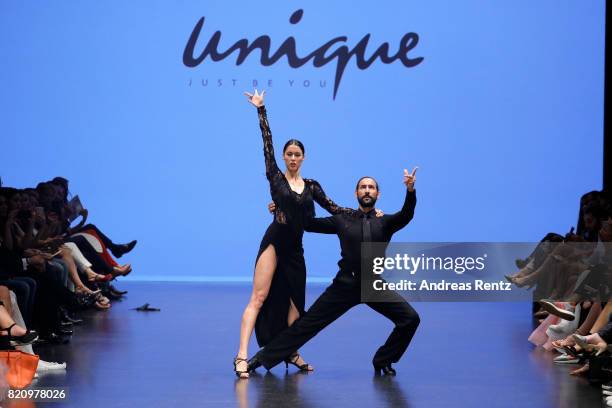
331	51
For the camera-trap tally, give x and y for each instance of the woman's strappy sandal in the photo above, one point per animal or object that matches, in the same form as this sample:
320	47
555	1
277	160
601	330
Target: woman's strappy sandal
28	338
239	373
293	360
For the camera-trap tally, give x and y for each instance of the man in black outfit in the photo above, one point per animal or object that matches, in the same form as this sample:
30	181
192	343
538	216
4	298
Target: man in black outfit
345	290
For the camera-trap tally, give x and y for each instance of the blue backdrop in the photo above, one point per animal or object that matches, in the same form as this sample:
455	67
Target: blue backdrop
504	116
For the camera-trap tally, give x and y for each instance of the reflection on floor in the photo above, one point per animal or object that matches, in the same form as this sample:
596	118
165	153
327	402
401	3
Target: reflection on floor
463	355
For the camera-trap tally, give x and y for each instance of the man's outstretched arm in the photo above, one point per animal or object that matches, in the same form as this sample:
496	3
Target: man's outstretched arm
322	225
400	219
325	225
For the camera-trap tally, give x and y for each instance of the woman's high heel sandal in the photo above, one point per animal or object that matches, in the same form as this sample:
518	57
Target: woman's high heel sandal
240	373
293	360
100	278
28	338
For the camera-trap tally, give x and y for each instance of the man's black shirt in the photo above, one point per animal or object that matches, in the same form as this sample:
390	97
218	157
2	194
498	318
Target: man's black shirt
349	229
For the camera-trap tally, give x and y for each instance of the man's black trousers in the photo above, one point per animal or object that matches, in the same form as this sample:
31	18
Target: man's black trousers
338	298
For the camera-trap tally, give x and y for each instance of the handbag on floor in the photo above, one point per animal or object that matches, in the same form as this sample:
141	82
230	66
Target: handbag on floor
21	367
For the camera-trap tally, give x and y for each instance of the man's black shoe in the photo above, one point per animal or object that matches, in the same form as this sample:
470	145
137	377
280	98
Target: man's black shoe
117	291
65	316
64	331
384	370
253	364
53	338
111	295
119	250
74	320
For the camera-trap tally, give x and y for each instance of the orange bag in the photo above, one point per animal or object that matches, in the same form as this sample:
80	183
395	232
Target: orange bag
21	367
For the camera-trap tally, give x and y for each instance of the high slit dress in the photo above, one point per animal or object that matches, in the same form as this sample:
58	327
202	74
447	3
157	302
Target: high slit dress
285	235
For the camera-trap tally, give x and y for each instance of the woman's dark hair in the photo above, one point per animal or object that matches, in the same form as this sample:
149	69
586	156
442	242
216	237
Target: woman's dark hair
60	181
591	195
594	210
9	192
5	192
294	142
63	183
57	206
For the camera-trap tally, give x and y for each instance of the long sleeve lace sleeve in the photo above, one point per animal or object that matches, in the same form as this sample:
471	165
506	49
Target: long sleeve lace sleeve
272	170
324	201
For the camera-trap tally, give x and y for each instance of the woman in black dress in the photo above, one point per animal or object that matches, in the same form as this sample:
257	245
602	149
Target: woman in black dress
279	281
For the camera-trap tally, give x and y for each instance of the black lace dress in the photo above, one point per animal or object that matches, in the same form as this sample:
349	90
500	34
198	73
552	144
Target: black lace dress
285	234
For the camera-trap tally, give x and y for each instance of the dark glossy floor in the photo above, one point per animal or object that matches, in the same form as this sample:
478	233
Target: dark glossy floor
464	355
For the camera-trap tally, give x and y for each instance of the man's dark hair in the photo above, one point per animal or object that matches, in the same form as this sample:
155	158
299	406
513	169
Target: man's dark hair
365	177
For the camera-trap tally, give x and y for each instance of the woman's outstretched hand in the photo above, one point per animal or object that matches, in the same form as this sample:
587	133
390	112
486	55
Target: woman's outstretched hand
257	99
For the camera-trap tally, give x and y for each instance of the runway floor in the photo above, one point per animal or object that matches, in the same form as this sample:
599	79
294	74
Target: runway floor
463	355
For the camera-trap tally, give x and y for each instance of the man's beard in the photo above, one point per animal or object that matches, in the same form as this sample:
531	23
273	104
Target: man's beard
366	204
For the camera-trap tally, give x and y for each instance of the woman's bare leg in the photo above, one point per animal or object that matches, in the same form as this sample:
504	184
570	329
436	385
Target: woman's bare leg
603	318
92	276
549	263
293	314
527	270
581	371
5	297
262	279
66	255
6	319
594	312
564	281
